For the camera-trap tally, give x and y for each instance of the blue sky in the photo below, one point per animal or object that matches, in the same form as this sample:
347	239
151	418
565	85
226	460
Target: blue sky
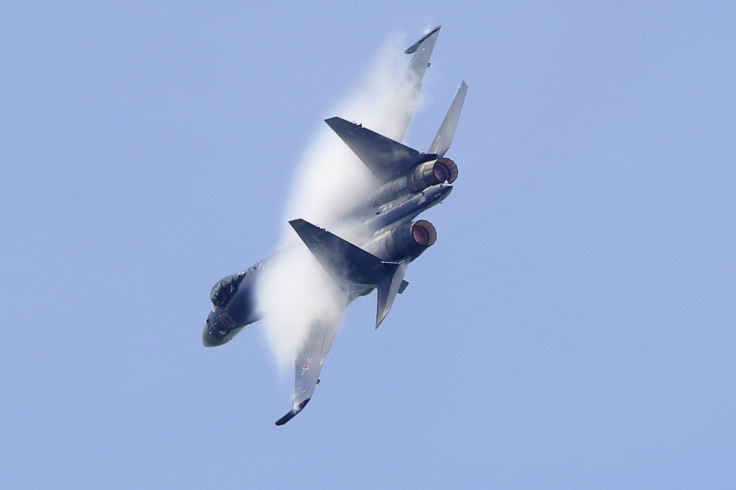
573	327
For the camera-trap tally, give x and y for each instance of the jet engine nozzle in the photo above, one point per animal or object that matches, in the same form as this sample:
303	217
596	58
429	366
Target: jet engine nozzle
431	173
408	240
423	233
450	167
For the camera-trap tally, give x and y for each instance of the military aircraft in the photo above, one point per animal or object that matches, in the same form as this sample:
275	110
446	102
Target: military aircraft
410	183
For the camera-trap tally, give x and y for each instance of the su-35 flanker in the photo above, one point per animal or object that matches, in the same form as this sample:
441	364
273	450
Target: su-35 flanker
410	183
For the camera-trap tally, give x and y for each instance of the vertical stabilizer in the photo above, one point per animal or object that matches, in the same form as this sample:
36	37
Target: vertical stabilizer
388	288
443	139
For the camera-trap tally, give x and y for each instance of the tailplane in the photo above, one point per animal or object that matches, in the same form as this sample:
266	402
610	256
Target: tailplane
350	265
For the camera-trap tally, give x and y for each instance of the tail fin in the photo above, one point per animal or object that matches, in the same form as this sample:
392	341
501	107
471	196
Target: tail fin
349	264
388	288
443	140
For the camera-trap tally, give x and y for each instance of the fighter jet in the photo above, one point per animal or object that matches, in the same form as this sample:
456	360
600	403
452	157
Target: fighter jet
411	182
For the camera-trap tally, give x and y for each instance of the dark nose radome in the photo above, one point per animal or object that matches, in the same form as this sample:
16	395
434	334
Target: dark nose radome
209	340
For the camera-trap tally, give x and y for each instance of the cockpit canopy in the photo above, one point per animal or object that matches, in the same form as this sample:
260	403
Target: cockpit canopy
225	288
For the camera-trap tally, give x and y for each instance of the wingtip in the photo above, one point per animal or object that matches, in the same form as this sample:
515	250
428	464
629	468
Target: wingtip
341	126
413	48
297	223
292	413
286	418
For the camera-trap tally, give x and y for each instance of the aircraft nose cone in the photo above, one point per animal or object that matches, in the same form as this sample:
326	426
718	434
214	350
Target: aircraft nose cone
209	340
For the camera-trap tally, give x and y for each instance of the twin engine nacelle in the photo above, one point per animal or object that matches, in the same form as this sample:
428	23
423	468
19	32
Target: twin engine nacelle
424	175
432	173
407	240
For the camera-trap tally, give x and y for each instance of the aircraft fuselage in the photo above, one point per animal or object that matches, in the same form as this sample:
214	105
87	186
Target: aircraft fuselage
235	300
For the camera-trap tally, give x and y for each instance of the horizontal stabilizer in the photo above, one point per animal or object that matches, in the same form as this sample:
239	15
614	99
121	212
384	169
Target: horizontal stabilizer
443	140
345	262
383	156
349	265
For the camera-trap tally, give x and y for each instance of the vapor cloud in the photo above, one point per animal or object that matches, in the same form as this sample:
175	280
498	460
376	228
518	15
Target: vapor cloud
295	292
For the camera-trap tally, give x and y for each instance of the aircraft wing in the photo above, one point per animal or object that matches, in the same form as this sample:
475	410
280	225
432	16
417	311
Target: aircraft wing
308	365
421	51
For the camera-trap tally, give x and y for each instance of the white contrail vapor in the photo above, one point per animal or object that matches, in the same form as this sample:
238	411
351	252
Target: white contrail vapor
295	292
